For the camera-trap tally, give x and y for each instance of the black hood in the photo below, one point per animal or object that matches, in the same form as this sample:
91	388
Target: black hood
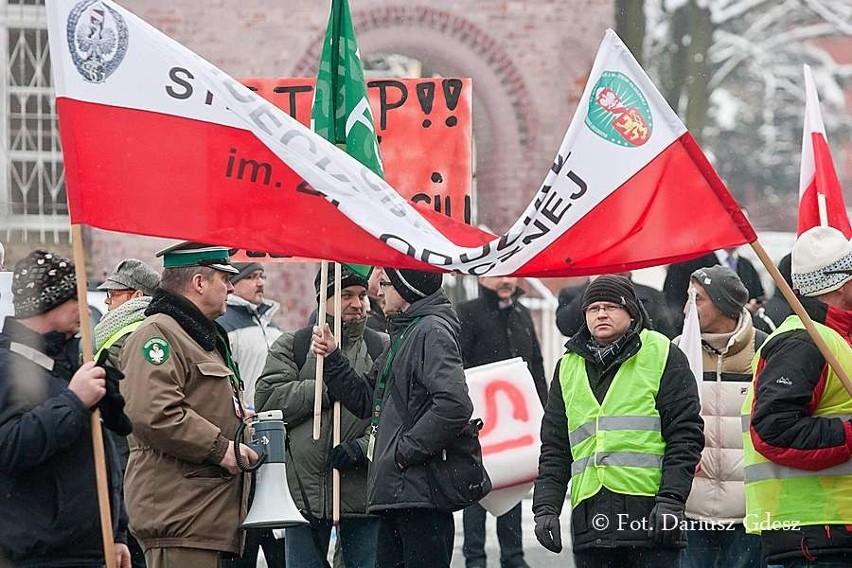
435	304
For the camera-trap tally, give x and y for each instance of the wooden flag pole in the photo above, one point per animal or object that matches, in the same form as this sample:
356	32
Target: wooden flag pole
338	332
320	358
799	310
97	433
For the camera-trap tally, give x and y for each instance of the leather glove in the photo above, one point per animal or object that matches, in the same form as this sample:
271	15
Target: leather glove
347	455
665	522
112	404
547	531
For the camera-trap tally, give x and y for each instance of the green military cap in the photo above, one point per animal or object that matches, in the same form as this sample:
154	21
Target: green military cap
197	254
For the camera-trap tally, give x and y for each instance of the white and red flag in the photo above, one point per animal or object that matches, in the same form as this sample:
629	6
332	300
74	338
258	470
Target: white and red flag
820	194
157	141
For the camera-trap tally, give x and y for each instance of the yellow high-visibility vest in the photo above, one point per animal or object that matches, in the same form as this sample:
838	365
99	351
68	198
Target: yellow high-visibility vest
616	444
781	497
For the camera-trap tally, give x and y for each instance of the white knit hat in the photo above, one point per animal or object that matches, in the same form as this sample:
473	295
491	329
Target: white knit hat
822	261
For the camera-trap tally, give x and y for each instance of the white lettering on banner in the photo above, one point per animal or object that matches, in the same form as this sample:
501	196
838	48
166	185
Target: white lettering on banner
158	74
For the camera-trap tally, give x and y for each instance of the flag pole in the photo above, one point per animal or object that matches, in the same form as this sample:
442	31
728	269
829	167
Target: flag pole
97	434
321	309
799	310
338	333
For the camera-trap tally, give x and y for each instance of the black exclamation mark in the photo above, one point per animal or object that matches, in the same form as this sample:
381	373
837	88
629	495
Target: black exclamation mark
426	96
452	93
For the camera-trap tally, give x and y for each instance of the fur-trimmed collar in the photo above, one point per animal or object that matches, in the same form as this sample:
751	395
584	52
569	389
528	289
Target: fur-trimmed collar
187	315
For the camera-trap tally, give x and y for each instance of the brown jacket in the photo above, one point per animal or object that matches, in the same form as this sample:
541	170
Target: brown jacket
181	402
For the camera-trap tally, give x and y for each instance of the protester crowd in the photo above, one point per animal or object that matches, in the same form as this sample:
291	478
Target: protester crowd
746	465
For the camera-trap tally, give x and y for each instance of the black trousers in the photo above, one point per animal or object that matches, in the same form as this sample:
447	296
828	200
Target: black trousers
273	550
410	538
508	535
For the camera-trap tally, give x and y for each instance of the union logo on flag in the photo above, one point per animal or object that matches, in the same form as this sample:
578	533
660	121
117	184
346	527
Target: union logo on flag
97	38
618	111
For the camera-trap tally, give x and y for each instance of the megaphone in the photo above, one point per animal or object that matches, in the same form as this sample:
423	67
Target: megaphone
273	506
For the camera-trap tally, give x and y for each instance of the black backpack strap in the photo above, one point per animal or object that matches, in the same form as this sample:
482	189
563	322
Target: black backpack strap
301	344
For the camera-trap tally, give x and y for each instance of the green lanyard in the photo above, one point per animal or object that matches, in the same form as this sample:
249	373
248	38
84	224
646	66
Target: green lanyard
236	381
378	400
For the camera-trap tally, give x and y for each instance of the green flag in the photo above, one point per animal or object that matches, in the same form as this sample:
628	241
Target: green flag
341	113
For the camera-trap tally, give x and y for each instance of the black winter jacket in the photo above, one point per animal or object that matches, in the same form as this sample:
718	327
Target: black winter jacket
490	334
427	374
785	431
48	496
682	430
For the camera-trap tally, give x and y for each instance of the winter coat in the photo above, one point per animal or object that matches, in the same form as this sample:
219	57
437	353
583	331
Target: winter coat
49	514
284	386
682	431
427	377
718	493
784	431
251	334
180	399
490	334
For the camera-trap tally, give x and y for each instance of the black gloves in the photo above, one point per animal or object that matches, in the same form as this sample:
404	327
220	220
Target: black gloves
665	522
547	531
347	455
112	404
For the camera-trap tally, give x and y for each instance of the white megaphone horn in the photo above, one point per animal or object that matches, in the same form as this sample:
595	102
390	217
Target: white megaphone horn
272	506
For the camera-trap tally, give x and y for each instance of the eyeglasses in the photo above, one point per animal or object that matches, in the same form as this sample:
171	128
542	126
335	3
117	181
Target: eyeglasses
111	293
385	283
605	308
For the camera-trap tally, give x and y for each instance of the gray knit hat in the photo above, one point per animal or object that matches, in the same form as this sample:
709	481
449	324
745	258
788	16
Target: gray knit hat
42	281
724	288
132	274
615	289
246	269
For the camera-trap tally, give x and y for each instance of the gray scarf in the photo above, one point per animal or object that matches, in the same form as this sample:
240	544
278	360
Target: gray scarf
131	311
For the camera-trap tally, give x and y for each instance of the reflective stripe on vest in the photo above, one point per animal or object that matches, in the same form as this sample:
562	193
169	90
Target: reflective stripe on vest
127	329
616	444
779	496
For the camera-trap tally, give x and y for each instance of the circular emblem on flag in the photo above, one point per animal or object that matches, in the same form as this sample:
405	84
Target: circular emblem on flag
618	111
156	350
97	38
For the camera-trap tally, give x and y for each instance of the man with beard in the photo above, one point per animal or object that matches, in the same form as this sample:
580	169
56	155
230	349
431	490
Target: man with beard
288	384
496	327
621	424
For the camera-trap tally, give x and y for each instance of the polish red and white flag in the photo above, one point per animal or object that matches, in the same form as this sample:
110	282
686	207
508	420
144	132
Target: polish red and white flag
820	195
157	141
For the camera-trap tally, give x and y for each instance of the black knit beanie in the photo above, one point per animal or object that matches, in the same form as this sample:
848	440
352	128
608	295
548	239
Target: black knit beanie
614	289
347	278
42	281
724	288
414	285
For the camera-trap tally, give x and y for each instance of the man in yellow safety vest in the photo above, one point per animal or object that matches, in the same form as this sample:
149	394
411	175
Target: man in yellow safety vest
797	418
622	424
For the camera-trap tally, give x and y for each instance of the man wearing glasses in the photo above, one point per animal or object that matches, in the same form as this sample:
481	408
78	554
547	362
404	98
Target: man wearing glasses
797	418
622	424
129	289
